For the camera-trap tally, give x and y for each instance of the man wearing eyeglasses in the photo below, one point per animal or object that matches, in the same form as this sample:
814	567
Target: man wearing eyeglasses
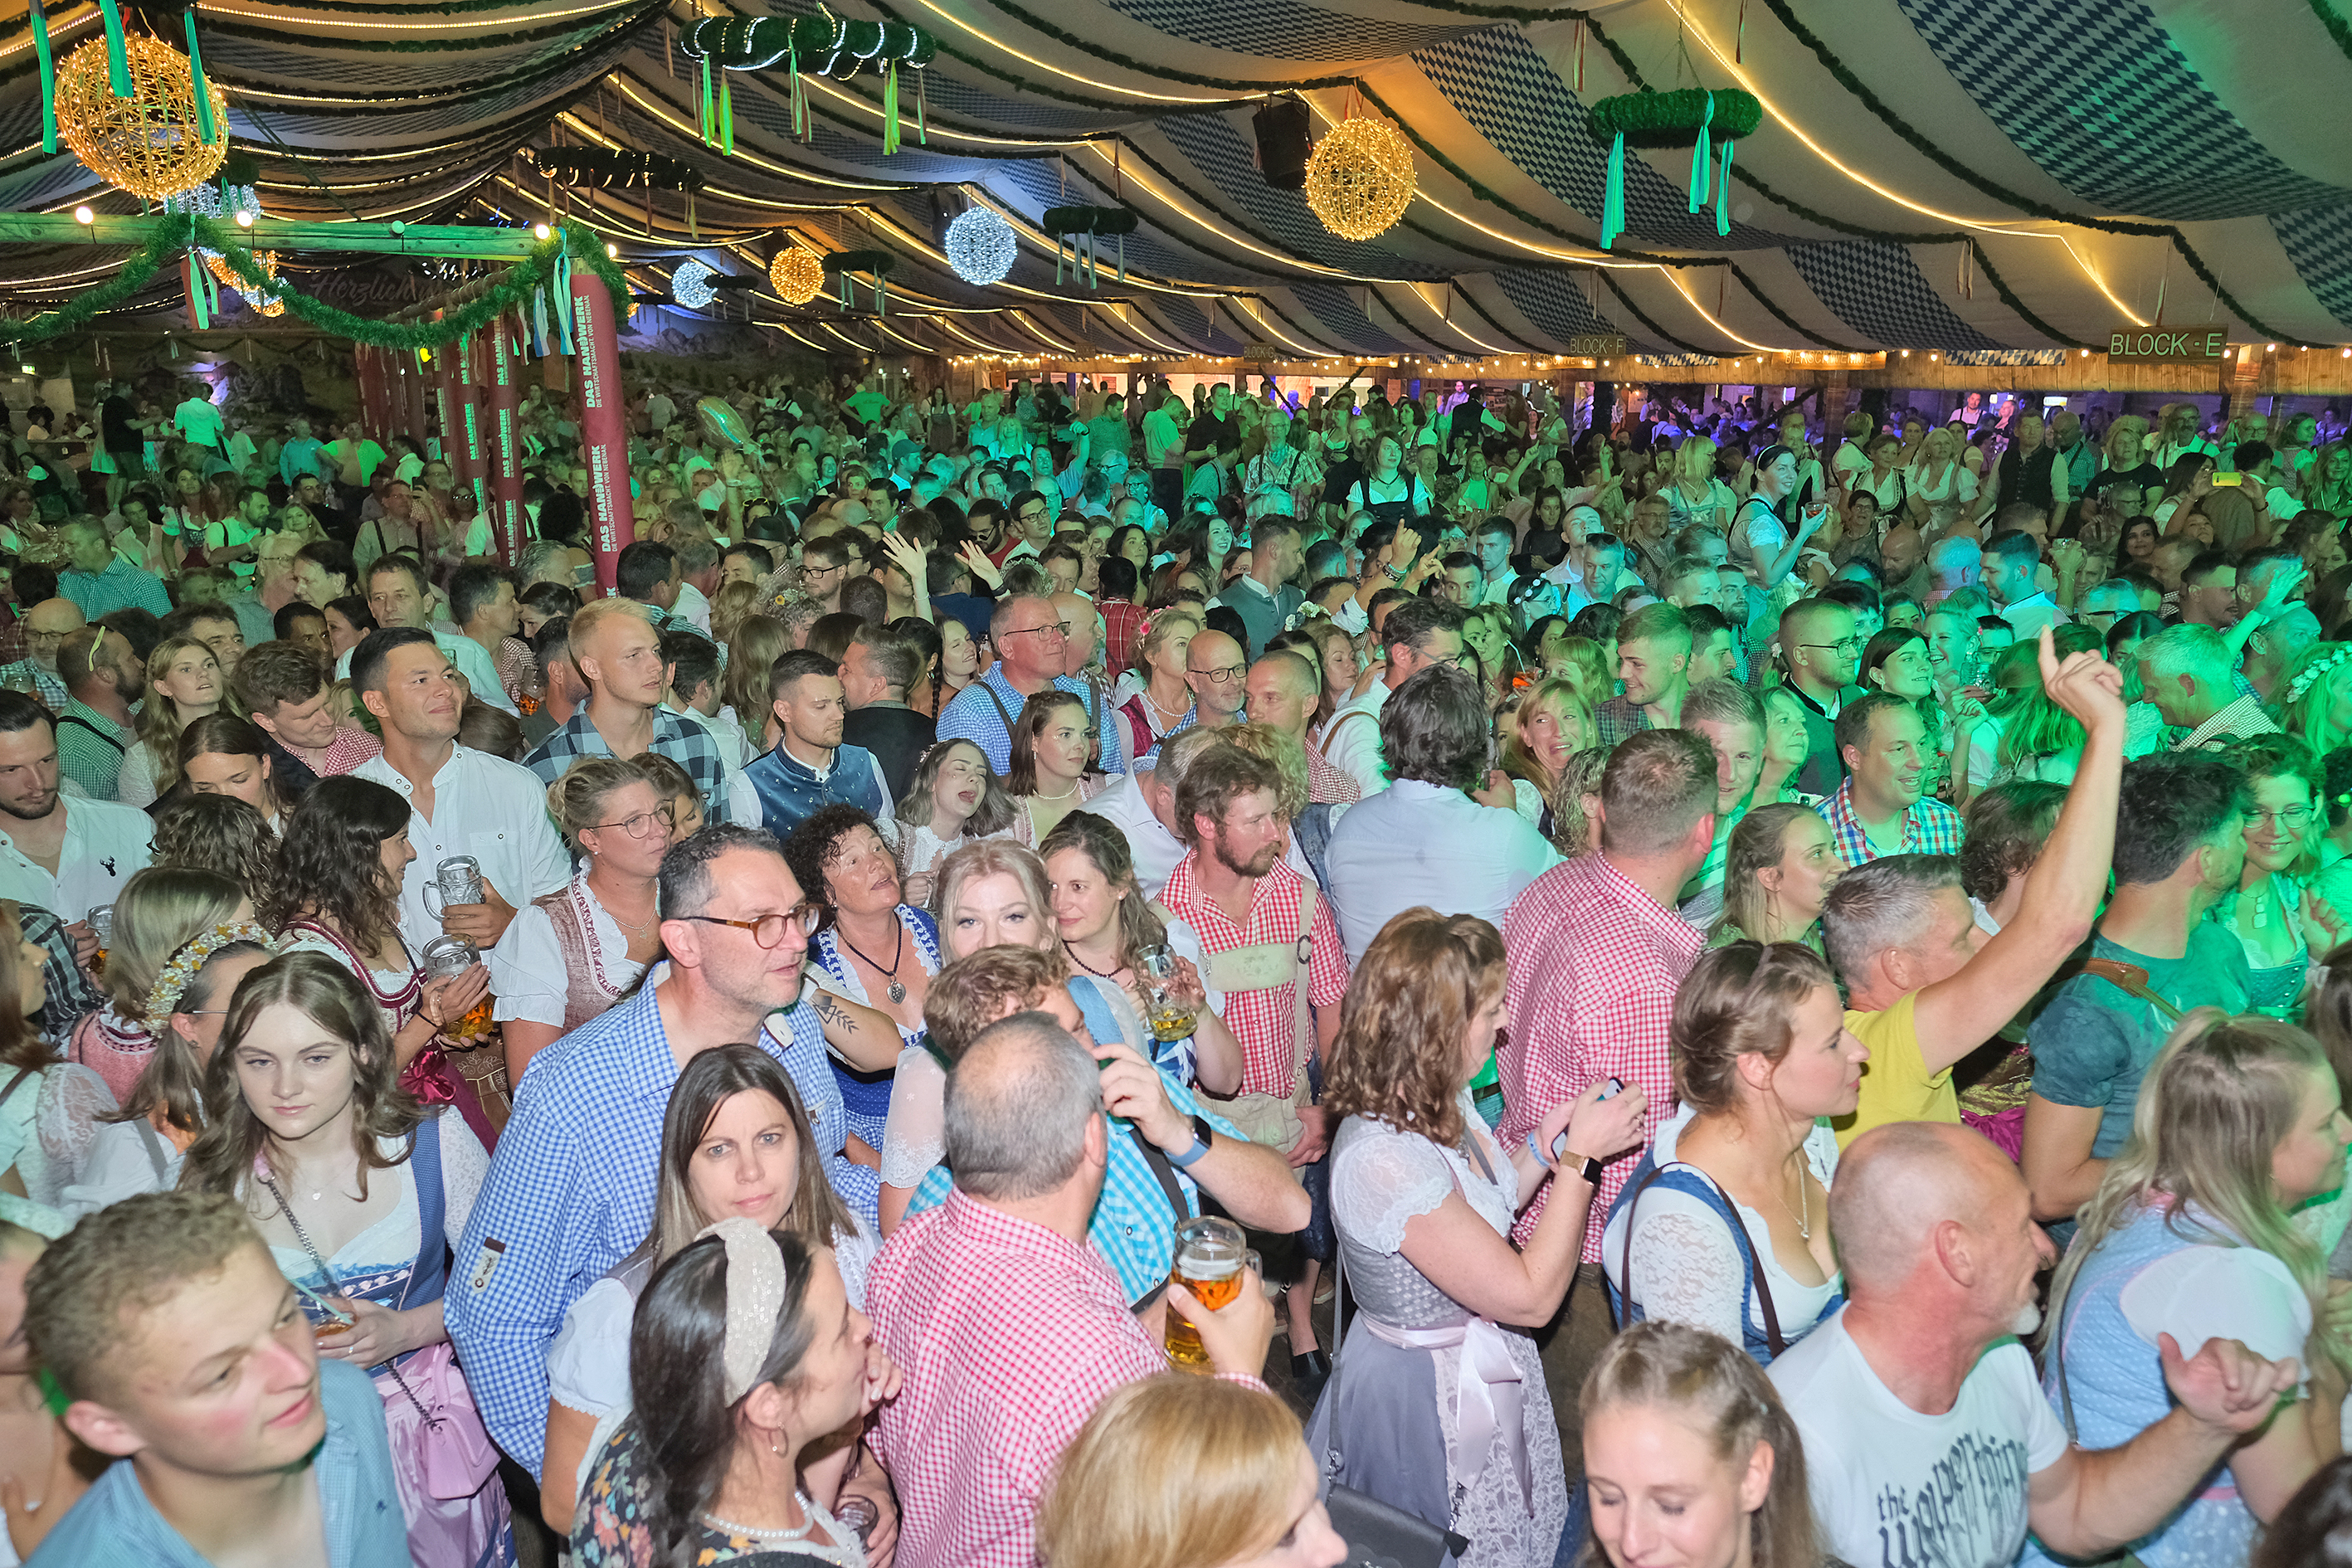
460	801
1822	651
1033	525
1219	677
1417	634
571	1187
824	568
1032	654
46	627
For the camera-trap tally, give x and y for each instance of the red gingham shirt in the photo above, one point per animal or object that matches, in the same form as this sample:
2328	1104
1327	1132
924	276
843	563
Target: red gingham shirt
1008	1336
1122	629
1326	784
1594	962
349	747
1261	1020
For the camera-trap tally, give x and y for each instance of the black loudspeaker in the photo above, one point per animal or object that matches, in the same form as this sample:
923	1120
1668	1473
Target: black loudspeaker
1281	129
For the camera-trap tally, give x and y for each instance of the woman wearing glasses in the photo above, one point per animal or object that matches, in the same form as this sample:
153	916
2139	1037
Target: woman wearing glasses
2271	913
572	954
1048	779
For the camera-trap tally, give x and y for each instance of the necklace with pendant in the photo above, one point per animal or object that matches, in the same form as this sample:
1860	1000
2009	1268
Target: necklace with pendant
896	992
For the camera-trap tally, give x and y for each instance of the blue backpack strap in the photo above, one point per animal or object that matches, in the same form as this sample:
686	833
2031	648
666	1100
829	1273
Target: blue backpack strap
1691	1182
431	1272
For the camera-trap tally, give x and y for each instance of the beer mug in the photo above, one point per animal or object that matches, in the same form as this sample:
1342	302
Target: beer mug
1213	1264
1170	1019
456	881
102	921
444	958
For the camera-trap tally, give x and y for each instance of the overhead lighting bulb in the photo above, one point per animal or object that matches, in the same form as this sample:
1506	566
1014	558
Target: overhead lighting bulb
243	218
83	215
613	250
543	231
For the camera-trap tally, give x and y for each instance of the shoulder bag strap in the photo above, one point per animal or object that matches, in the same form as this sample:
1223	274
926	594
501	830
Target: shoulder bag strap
79	722
2132	980
154	1147
998	703
1302	1022
14	1083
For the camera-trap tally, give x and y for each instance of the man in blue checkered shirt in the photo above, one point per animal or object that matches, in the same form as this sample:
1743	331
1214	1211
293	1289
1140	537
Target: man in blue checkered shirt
1879	809
618	653
571	1187
1030	654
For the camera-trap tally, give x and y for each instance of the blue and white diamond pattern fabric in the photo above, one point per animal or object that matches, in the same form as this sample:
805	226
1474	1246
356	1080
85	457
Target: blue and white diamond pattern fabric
1279	29
2318	241
2098	94
1877	290
1551	303
1216	149
1335	309
2006	358
1512	97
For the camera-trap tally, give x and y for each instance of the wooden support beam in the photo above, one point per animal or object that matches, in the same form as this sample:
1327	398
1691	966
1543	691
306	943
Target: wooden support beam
479	244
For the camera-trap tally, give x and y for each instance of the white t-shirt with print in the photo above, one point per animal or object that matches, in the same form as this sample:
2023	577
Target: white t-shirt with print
1893	1488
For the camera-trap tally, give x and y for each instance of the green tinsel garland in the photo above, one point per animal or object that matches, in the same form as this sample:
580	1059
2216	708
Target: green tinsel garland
1651	119
176	233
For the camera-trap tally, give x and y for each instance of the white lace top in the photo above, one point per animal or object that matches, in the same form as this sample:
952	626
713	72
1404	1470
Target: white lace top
1686	1266
1381	1178
48	1129
397	1235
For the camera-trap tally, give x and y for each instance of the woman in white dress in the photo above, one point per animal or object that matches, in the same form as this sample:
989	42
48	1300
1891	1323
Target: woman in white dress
1726	1220
1759	535
51	1111
567	957
1940	487
1048	779
1424	1199
954	799
735	1141
361	1194
183	684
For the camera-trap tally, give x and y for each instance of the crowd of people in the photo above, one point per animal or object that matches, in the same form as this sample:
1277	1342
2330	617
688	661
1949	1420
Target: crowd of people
1749	989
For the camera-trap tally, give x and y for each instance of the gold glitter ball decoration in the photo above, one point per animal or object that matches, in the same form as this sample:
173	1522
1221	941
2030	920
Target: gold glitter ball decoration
146	143
798	275
1360	177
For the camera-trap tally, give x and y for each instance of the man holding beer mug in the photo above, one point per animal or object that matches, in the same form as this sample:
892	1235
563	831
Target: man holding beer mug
1008	1327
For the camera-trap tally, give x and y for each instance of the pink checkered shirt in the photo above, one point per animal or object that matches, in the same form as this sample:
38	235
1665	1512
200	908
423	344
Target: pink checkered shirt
1123	626
1261	1020
1008	1336
1325	784
349	747
1594	962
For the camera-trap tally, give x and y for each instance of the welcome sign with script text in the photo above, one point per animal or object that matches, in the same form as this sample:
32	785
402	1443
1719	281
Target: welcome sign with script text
2168	345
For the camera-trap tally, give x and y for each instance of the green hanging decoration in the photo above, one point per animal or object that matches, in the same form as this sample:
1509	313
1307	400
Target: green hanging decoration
824	44
1612	197
705	102
40	17
1723	195
795	92
890	108
205	126
726	117
118	58
1702	181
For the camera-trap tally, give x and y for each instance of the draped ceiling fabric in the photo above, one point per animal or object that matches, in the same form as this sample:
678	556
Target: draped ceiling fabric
2000	184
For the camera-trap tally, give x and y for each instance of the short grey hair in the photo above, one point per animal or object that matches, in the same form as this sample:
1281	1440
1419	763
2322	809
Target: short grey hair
542	556
2187	649
1177	754
1882	906
1019	1101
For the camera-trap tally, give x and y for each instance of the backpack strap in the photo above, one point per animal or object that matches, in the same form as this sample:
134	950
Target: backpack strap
81	723
2132	980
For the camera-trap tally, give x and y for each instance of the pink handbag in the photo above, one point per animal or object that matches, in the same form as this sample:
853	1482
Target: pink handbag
449	1445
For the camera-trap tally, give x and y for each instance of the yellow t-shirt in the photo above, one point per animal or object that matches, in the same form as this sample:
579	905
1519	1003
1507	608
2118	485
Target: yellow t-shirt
1896	1083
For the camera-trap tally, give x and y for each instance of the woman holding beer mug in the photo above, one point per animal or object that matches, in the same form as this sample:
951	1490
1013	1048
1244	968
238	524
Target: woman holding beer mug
735	1141
1187	1472
349	1179
1424	1199
1109	929
337	891
1689	1456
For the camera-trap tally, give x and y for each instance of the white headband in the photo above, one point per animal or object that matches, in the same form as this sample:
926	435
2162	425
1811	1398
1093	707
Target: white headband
756	1284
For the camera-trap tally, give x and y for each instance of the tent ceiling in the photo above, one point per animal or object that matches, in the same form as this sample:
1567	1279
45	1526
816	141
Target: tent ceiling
1999	184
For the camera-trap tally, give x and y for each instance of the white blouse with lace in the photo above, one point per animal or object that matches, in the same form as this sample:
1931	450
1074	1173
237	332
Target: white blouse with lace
1383	1178
48	1128
1686	1266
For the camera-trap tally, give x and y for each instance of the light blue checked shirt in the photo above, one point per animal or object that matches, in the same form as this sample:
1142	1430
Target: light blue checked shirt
970	716
115	1525
571	1194
688	745
1132	1229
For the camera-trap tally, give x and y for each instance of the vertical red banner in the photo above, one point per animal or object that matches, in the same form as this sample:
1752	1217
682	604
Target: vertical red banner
603	423
472	465
408	406
505	440
445	442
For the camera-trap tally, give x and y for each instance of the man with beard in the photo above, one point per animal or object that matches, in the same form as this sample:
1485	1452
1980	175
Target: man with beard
1926	1436
60	853
95	732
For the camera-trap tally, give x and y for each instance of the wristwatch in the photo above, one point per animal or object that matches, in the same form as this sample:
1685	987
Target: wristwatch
1202	1134
1590	1172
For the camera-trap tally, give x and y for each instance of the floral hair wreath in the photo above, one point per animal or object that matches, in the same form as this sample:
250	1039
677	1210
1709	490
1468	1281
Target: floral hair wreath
163	996
2309	676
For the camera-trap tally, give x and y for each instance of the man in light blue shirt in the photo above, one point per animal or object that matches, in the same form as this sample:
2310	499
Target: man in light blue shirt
186	1355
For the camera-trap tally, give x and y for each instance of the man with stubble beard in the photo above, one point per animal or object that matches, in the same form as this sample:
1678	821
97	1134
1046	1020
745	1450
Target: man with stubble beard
64	854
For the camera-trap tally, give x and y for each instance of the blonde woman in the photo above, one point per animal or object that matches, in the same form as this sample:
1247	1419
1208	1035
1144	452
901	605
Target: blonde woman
1939	488
157	911
1697	496
183	684
1177	1472
2190	1236
1154	699
1551	725
2315	706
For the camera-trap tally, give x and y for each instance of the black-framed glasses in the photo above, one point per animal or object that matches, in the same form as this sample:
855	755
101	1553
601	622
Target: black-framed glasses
1053	631
641	825
1220	677
1844	645
769	930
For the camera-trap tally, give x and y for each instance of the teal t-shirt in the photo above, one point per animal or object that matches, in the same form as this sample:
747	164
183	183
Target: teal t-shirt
2094	1041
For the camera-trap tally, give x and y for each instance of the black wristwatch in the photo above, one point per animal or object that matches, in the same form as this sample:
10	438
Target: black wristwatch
1202	1135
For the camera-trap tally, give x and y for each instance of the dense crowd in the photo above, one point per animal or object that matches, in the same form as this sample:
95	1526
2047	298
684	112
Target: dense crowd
1777	985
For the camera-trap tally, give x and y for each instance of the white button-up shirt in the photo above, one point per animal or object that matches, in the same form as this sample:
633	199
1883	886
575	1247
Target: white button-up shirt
1418	843
485	806
105	844
1352	745
471	661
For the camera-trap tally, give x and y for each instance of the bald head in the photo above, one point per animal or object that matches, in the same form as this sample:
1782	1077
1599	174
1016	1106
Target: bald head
1215	669
1898	1182
1084	635
1283	689
1024	1111
46	625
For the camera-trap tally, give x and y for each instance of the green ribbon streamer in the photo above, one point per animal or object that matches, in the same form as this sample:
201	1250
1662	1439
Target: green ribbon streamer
726	117
206	127
890	108
1612	199
1723	197
706	100
1700	184
48	77
118	61
201	317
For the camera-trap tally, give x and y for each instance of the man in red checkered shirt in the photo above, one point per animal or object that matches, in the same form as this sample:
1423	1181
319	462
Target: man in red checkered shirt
1283	689
1008	1327
1596	952
284	686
